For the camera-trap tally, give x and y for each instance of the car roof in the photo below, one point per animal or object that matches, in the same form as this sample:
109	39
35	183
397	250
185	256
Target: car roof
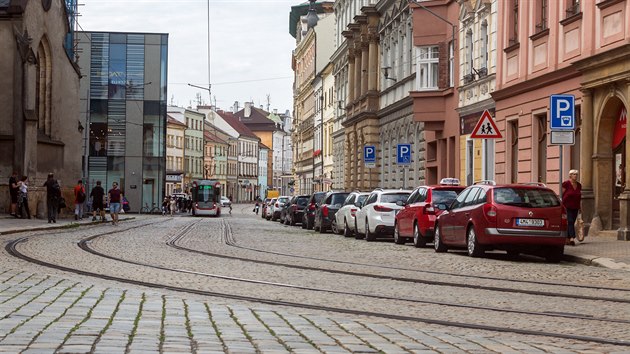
393	191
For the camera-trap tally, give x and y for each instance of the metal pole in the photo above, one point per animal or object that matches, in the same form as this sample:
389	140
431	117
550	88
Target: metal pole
560	172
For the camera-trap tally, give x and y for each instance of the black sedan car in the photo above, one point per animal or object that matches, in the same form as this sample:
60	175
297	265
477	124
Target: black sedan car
295	209
325	214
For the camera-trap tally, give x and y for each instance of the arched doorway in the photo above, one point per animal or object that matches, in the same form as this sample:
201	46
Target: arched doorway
609	161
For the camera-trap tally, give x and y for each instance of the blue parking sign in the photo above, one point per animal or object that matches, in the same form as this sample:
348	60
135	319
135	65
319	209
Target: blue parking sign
562	112
403	154
369	155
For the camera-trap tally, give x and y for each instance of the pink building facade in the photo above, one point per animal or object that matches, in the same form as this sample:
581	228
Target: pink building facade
577	47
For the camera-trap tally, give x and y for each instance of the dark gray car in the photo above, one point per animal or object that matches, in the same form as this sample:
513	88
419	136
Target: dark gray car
326	210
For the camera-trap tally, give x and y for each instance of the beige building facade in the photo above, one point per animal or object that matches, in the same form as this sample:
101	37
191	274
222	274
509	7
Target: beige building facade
175	135
41	128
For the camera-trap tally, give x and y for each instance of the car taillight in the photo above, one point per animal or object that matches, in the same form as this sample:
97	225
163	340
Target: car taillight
490	212
429	210
196	205
565	219
276	205
311	206
325	211
353	212
382	209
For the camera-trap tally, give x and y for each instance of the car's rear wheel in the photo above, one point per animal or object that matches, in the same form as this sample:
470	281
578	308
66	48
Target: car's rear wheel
397	239
333	227
418	240
474	248
437	243
346	230
368	235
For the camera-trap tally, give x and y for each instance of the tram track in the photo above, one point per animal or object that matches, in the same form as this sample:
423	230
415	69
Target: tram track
12	248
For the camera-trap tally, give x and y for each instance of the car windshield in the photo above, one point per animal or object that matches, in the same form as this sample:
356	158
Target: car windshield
283	200
302	201
526	197
393	198
338	198
441	196
319	197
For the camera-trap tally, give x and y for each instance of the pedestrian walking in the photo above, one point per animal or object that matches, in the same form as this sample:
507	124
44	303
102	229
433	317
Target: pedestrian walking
13	193
172	206
53	195
97	195
22	203
79	199
113	196
571	197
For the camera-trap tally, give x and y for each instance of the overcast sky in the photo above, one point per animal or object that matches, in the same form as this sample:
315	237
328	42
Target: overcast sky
250	45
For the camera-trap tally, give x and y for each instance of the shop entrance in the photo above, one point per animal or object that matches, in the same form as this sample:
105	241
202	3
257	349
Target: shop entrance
619	163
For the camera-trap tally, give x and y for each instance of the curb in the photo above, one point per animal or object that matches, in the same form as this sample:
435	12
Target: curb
58	227
592	260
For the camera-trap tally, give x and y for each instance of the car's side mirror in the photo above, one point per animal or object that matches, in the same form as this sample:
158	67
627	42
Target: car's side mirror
442	206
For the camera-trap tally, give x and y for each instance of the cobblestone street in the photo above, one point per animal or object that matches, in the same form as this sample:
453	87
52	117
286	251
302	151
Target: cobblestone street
241	284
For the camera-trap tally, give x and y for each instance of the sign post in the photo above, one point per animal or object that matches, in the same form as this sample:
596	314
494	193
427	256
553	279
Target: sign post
562	122
403	158
369	156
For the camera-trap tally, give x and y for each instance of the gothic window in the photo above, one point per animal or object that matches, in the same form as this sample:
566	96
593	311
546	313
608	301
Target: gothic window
43	87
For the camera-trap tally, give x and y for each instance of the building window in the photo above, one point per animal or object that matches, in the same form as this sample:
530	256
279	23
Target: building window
541	15
541	154
428	60
469	52
43	87
514	150
484	45
513	24
573	7
451	64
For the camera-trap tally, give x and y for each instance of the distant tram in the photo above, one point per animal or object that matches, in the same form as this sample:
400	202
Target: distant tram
206	194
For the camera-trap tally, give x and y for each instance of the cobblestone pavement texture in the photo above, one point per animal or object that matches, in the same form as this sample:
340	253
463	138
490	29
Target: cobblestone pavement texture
43	310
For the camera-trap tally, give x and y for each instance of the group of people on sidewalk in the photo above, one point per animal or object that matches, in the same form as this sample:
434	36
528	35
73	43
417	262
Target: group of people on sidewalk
18	191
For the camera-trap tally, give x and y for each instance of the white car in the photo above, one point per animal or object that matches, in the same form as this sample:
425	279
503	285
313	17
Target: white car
344	218
378	213
269	208
225	201
276	207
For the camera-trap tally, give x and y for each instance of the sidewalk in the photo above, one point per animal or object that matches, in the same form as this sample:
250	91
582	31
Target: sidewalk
603	250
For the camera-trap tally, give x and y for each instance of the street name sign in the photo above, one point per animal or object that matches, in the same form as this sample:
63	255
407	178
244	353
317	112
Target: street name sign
369	156
562	112
486	128
403	154
562	137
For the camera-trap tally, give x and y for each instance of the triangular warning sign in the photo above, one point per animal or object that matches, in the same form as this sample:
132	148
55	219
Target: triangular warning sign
486	128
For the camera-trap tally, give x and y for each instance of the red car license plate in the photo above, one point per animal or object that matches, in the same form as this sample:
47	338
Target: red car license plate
530	222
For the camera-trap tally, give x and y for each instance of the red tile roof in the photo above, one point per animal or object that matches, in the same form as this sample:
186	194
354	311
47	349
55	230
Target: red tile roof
211	137
235	123
174	121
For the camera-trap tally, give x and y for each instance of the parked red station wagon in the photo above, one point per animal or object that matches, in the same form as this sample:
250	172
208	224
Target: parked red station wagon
527	218
417	218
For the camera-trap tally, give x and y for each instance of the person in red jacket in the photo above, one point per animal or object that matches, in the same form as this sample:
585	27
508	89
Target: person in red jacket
79	200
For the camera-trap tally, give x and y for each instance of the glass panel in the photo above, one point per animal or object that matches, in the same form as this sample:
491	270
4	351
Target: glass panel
135	39
338	198
98	139
434	75
529	198
163	68
135	72
393	198
115	172
118	38
117	71
152	129
98	65
446	197
116	122
98	170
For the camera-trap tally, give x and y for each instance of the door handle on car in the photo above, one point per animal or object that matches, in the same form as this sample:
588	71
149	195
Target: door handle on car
467	214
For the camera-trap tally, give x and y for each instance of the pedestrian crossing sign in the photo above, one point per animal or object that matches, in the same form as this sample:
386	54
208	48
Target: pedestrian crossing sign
486	128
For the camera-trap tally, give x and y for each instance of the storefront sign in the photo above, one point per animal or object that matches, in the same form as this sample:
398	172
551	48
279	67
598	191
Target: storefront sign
173	178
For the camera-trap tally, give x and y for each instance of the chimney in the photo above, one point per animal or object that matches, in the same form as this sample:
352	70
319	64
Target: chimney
235	108
275	111
248	109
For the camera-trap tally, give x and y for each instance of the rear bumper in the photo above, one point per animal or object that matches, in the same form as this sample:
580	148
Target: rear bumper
385	230
523	237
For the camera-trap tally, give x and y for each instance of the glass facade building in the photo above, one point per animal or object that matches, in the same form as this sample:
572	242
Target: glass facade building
123	96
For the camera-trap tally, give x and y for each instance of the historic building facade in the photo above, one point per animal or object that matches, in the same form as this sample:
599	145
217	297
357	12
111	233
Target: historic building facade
397	78
579	48
41	124
124	90
435	97
175	133
477	79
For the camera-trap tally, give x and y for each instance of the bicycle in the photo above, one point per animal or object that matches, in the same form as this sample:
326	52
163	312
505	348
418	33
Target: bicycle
147	210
